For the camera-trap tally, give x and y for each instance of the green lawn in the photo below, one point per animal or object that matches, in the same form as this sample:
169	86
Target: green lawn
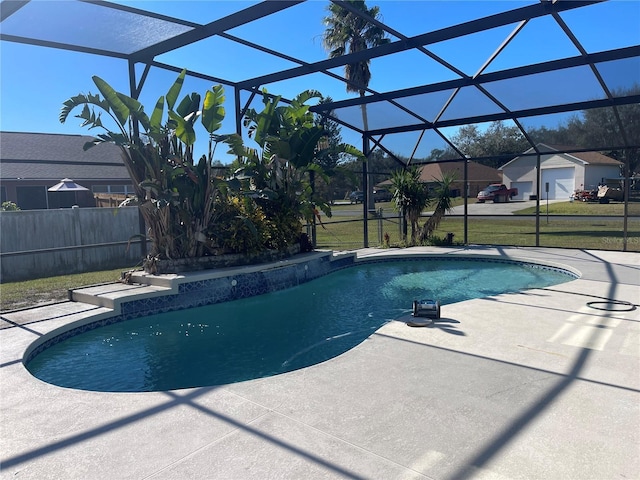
588	234
560	208
16	295
583	208
346	233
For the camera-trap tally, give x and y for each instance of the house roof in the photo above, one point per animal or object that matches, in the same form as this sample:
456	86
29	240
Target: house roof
590	158
46	156
476	172
587	158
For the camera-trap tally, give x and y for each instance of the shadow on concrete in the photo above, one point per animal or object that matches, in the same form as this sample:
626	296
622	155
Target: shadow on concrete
519	424
13	324
504	362
445	324
175	400
21	322
502	439
609	314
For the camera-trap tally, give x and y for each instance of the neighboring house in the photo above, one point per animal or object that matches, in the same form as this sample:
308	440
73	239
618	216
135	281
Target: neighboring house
31	163
564	172
479	176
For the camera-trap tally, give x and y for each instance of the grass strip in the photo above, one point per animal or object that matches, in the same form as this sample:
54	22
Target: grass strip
582	208
589	233
15	295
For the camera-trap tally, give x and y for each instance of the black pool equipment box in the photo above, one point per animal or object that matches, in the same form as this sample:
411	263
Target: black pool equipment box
426	308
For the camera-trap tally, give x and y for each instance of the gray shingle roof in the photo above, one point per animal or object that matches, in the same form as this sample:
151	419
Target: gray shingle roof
46	156
591	158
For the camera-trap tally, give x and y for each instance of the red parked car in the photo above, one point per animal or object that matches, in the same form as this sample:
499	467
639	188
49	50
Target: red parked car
498	193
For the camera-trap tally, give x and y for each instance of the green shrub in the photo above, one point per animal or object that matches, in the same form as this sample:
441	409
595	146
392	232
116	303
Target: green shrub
9	207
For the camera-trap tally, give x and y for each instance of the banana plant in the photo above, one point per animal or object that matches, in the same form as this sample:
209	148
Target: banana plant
278	172
176	195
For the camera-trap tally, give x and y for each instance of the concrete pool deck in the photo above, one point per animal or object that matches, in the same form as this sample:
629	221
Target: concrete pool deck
534	385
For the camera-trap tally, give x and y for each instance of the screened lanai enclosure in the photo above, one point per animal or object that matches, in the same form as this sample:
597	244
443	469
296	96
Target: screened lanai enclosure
543	96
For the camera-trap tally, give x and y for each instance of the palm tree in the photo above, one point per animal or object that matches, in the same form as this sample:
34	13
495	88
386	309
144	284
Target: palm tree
410	197
348	32
443	205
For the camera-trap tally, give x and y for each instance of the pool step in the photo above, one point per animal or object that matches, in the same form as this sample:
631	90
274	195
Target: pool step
109	295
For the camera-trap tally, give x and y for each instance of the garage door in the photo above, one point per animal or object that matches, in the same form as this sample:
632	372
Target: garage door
525	190
561	183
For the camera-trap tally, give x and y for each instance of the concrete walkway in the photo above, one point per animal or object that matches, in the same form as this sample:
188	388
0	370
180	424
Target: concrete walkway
507	208
535	385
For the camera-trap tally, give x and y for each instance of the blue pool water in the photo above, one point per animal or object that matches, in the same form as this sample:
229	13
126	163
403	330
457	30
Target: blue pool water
273	333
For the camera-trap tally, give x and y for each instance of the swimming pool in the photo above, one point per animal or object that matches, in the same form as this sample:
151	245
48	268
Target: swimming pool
273	333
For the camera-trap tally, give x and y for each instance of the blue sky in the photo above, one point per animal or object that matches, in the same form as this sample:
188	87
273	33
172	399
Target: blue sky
35	81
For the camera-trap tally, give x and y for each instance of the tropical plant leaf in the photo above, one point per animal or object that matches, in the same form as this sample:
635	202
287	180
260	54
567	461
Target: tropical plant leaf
213	109
138	236
184	130
303	145
174	91
119	109
314	167
305	96
351	150
236	145
81	99
93	143
189	107
116	138
155	121
136	110
109	137
89	118
225	138
266	120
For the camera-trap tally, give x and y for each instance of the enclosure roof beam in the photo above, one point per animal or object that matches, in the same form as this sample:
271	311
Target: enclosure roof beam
138	11
473	26
191	73
531	112
577	61
242	17
62	46
9	7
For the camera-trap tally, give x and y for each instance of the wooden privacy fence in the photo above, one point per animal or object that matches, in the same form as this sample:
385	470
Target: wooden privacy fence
110	200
